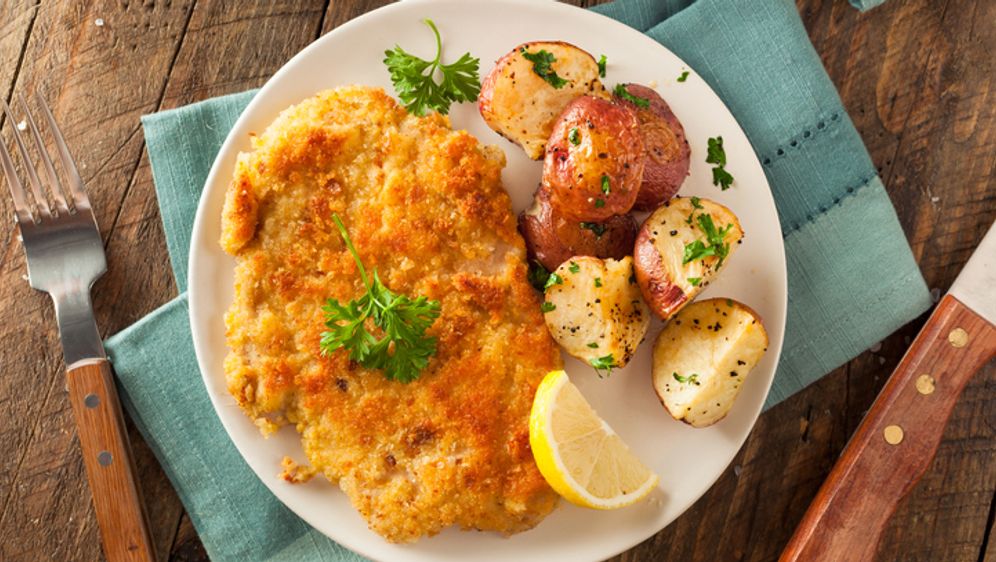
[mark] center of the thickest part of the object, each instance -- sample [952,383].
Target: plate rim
[230,144]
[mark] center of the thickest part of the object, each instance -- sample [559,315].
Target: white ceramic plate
[688,460]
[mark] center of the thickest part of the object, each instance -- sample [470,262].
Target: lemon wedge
[578,453]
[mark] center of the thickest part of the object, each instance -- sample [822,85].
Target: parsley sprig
[404,349]
[716,155]
[415,83]
[714,244]
[542,60]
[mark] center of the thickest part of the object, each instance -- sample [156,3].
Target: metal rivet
[104,458]
[91,401]
[893,435]
[925,384]
[958,337]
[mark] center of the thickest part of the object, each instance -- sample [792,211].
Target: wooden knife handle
[896,441]
[110,469]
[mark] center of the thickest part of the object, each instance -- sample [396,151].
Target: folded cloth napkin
[852,277]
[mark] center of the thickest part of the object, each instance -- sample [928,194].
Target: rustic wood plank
[213,59]
[99,79]
[915,82]
[921,107]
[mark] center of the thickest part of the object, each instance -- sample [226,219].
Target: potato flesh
[610,313]
[522,106]
[717,340]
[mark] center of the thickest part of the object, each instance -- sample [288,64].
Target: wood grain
[915,75]
[110,468]
[896,440]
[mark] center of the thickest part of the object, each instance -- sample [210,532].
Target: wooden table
[916,76]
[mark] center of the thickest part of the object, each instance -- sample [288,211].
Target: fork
[65,255]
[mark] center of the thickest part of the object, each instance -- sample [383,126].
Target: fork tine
[36,188]
[21,207]
[55,186]
[75,181]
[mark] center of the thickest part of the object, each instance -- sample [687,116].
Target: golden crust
[424,205]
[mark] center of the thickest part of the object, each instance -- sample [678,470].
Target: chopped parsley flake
[598,228]
[716,155]
[620,91]
[601,66]
[692,379]
[552,280]
[541,66]
[547,307]
[574,136]
[605,363]
[715,245]
[605,184]
[574,267]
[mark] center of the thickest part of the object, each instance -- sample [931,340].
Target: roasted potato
[521,105]
[594,311]
[680,248]
[666,153]
[702,357]
[594,160]
[552,238]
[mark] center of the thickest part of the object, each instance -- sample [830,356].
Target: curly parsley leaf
[404,349]
[621,92]
[415,83]
[542,60]
[716,154]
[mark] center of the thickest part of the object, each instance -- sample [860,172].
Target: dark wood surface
[916,76]
[896,441]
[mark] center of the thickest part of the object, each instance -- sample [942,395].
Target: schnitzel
[425,206]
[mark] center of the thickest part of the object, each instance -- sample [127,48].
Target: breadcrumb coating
[425,206]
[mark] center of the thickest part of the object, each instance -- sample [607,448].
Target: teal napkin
[852,277]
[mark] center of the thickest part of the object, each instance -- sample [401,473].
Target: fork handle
[110,468]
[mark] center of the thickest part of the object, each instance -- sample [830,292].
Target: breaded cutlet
[425,206]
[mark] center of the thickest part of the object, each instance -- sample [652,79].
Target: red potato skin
[663,298]
[610,145]
[552,238]
[667,154]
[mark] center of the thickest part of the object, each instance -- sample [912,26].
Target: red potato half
[702,357]
[666,281]
[594,160]
[522,106]
[552,238]
[666,152]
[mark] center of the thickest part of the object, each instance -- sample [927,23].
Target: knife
[898,438]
